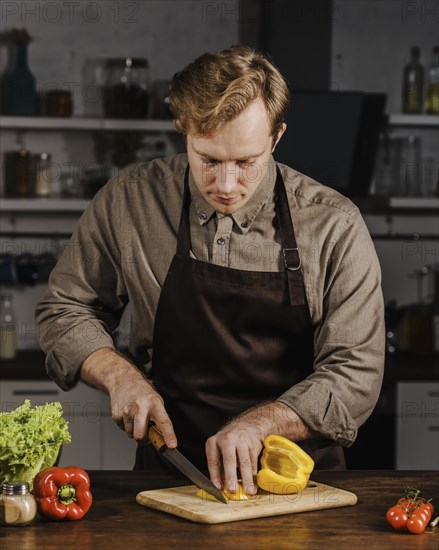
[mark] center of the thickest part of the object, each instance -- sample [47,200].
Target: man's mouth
[225,200]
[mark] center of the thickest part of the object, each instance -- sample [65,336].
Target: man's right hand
[134,402]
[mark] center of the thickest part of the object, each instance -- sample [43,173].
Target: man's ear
[279,135]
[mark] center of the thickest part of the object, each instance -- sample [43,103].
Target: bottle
[18,174]
[432,98]
[8,336]
[413,84]
[436,311]
[22,83]
[17,506]
[42,181]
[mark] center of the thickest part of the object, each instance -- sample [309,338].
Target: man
[254,290]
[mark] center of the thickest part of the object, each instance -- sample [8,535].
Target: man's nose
[227,177]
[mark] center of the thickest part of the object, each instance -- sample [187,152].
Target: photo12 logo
[426,11]
[69,12]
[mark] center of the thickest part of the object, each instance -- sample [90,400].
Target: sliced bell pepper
[285,466]
[239,495]
[62,493]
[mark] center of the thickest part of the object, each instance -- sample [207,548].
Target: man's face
[229,164]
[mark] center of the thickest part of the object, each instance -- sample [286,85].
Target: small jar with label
[17,506]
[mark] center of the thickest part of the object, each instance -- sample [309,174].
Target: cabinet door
[417,443]
[84,450]
[82,409]
[81,400]
[417,432]
[118,450]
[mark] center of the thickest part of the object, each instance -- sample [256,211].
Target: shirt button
[202,216]
[244,225]
[221,241]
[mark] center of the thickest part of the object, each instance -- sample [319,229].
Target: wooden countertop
[116,521]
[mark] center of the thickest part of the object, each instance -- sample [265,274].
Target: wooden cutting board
[183,502]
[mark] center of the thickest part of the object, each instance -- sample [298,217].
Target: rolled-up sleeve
[86,293]
[349,342]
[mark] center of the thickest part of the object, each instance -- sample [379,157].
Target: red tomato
[418,521]
[397,517]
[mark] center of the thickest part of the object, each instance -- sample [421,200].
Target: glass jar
[59,103]
[126,88]
[18,174]
[17,506]
[8,335]
[42,180]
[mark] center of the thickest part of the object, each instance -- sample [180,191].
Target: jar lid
[15,488]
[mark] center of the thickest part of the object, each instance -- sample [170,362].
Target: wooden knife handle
[156,438]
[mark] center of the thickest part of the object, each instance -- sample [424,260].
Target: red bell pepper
[62,493]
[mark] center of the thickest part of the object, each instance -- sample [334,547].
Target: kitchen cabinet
[97,443]
[417,426]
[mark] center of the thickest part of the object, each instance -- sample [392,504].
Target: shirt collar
[244,216]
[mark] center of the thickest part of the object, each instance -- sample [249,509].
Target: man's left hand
[240,442]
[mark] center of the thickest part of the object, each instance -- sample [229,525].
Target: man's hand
[134,402]
[239,443]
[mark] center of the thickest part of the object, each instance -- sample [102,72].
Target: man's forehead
[209,150]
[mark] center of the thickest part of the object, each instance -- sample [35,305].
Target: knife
[183,464]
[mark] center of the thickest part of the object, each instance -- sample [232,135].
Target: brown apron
[227,339]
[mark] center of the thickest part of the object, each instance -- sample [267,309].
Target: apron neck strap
[184,232]
[290,250]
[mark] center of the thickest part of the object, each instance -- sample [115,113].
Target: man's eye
[210,161]
[245,163]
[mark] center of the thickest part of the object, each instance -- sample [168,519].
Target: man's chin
[227,208]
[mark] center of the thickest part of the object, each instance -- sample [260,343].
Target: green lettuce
[30,440]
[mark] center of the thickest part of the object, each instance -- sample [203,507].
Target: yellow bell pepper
[285,466]
[239,495]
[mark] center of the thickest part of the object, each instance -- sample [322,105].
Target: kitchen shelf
[84,123]
[400,205]
[397,119]
[43,205]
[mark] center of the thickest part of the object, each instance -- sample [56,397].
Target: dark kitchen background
[83,94]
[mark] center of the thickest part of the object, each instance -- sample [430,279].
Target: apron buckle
[291,264]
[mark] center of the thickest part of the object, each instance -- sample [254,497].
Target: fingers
[246,470]
[164,425]
[135,416]
[229,451]
[214,462]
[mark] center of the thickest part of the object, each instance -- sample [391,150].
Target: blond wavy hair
[217,87]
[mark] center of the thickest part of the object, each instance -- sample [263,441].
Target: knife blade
[186,467]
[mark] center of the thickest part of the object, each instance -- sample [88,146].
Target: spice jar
[17,506]
[59,103]
[126,88]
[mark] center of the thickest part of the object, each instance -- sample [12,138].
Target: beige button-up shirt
[124,242]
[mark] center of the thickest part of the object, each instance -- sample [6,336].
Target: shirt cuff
[65,359]
[322,411]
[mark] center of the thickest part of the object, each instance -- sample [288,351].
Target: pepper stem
[66,494]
